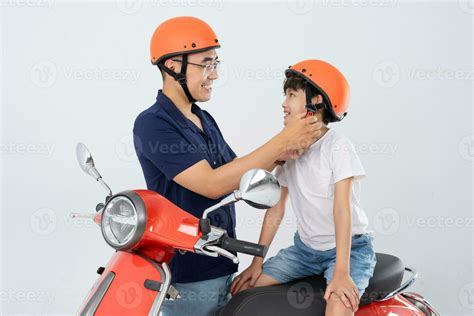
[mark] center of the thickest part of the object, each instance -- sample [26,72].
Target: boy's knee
[335,306]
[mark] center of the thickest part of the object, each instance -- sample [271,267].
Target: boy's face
[295,102]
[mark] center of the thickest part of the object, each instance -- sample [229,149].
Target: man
[185,158]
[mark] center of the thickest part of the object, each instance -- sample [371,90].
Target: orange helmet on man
[182,35]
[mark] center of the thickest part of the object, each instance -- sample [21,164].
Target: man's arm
[214,183]
[341,283]
[272,221]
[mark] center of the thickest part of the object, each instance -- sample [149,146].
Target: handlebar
[241,246]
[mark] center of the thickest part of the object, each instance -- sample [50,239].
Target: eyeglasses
[208,68]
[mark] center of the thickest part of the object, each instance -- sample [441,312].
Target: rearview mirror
[259,188]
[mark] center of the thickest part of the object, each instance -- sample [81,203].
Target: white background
[74,71]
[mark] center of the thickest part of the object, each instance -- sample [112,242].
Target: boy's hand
[343,286]
[247,278]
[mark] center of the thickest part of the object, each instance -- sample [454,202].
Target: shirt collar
[170,108]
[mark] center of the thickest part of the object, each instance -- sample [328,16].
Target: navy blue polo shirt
[168,143]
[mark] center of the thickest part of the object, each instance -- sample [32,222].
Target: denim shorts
[299,261]
[203,298]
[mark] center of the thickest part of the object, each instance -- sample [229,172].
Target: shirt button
[214,162]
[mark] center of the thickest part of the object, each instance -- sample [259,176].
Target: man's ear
[317,99]
[174,65]
[170,64]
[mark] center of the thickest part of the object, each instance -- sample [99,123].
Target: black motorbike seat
[277,299]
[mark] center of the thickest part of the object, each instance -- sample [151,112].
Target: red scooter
[146,229]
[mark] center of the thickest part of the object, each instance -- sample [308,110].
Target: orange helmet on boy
[329,82]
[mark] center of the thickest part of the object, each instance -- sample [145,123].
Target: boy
[324,189]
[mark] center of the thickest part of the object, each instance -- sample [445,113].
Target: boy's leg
[265,280]
[262,280]
[294,262]
[202,298]
[335,307]
[362,264]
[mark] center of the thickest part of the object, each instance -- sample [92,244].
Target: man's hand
[300,132]
[291,154]
[343,286]
[247,278]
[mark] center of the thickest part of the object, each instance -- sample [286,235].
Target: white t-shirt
[311,180]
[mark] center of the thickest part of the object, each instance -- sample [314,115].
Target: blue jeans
[199,298]
[299,261]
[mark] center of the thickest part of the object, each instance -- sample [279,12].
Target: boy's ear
[317,99]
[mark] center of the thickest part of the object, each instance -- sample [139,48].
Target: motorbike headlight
[119,222]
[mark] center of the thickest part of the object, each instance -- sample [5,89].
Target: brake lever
[82,215]
[224,253]
[95,217]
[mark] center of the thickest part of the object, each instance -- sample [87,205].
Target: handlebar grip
[241,246]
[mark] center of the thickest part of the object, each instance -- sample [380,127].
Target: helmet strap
[310,106]
[180,77]
[323,105]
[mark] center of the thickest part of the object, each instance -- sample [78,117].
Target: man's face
[199,78]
